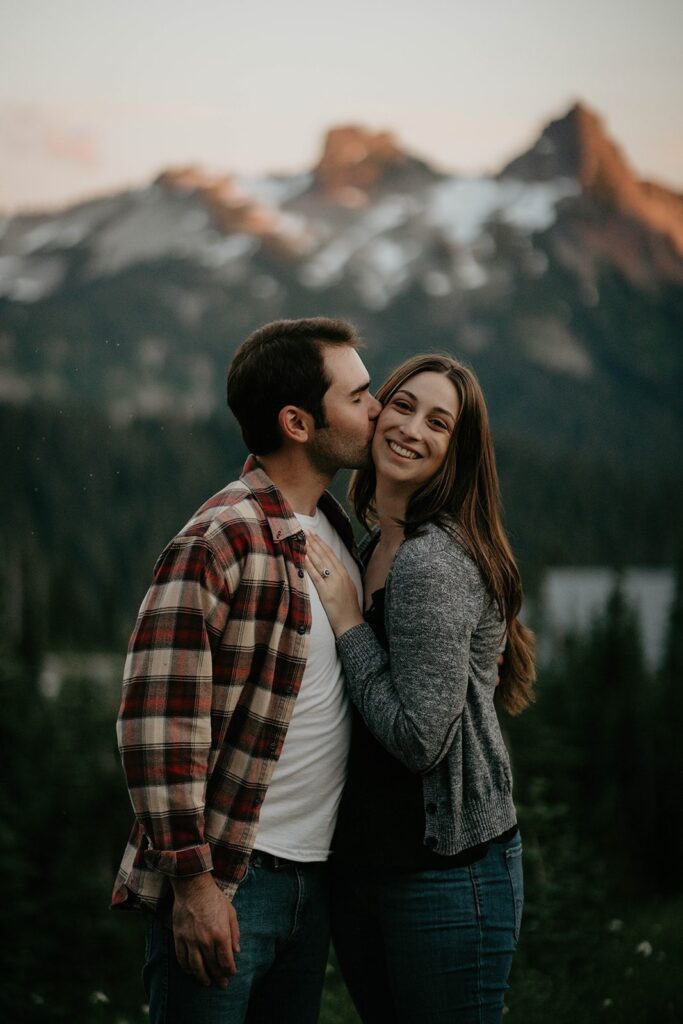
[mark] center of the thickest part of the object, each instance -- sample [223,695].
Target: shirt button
[301,574]
[301,536]
[258,801]
[431,808]
[289,690]
[301,630]
[430,841]
[272,747]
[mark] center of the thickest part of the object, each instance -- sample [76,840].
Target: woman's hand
[337,590]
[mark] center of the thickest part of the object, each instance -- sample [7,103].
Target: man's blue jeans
[430,946]
[283,915]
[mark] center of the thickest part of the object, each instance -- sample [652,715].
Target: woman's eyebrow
[436,408]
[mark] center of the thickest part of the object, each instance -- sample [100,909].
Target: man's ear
[296,424]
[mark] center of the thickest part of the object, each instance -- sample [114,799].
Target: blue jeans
[430,946]
[283,915]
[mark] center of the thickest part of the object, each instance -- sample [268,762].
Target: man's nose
[375,408]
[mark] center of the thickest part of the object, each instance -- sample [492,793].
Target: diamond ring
[326,572]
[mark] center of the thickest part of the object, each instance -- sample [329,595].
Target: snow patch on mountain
[461,207]
[217,251]
[24,280]
[550,343]
[276,190]
[330,260]
[152,226]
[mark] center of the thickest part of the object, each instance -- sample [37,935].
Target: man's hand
[205,930]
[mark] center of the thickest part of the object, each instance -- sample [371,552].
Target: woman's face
[414,429]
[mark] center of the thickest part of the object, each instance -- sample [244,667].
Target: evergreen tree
[616,784]
[668,827]
[595,716]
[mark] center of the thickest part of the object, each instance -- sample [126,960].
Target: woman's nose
[410,426]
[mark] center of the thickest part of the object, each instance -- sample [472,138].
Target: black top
[381,820]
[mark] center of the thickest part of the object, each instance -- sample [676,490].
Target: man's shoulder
[230,514]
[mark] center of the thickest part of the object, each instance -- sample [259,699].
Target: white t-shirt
[299,811]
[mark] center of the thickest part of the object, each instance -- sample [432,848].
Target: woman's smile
[402,451]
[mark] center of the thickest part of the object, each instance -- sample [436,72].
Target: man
[232,655]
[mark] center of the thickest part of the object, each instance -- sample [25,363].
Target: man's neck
[299,483]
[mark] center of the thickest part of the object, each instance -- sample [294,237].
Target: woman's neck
[391,504]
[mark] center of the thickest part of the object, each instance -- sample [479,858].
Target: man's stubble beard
[329,453]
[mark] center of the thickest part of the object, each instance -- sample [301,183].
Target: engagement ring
[326,572]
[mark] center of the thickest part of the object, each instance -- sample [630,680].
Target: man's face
[350,412]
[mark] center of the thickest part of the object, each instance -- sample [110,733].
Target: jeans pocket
[513,859]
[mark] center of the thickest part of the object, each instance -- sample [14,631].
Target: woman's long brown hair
[463,497]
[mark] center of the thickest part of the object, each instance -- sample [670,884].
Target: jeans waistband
[276,863]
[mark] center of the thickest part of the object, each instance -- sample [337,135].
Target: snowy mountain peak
[231,208]
[356,162]
[575,146]
[578,146]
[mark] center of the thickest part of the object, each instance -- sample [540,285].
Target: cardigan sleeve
[412,697]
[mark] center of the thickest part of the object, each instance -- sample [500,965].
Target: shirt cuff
[195,860]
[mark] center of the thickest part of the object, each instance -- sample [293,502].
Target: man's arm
[164,732]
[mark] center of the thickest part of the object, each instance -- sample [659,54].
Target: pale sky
[96,95]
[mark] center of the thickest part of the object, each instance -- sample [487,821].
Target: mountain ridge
[567,300]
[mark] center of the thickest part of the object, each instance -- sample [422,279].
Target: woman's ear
[295,424]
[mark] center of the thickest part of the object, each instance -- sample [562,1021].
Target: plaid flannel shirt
[213,669]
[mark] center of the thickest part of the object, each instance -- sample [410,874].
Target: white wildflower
[615,925]
[607,1002]
[644,948]
[97,998]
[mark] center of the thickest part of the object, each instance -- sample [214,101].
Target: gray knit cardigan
[429,701]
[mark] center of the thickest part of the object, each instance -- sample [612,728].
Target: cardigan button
[431,841]
[301,630]
[272,747]
[431,808]
[301,574]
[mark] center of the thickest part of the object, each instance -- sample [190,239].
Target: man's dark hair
[282,364]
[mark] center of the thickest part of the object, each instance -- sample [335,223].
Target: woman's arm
[413,698]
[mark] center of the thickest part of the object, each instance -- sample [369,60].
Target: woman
[428,885]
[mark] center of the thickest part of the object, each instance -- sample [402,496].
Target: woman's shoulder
[439,549]
[433,570]
[442,538]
